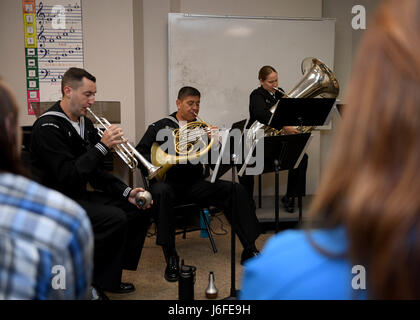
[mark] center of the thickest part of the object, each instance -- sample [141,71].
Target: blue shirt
[290,268]
[46,243]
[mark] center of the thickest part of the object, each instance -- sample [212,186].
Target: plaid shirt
[46,243]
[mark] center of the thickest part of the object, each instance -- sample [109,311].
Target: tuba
[126,151]
[190,143]
[318,80]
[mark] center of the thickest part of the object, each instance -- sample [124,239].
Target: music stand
[285,152]
[301,112]
[220,169]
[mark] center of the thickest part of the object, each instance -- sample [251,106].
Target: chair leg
[213,245]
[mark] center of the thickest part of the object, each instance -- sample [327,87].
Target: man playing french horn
[67,153]
[185,181]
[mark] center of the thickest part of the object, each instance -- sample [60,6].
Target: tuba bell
[318,80]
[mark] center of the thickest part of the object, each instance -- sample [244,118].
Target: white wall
[12,52]
[109,54]
[346,38]
[346,44]
[155,22]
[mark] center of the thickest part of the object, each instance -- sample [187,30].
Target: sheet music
[54,29]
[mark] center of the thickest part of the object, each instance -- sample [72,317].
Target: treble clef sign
[40,13]
[41,37]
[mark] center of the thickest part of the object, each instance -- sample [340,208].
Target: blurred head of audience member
[10,133]
[40,229]
[372,183]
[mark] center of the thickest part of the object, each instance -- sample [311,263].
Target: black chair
[187,210]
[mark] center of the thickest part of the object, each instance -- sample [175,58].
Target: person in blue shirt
[46,239]
[368,204]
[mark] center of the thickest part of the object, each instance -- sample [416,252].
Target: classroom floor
[195,250]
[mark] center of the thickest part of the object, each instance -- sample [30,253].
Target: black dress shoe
[124,287]
[172,269]
[288,203]
[248,254]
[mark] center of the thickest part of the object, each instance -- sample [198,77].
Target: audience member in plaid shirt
[46,240]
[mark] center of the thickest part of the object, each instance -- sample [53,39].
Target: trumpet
[126,151]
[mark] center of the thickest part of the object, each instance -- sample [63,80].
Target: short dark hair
[265,71]
[9,156]
[73,76]
[188,91]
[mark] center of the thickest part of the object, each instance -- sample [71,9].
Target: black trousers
[119,230]
[296,180]
[166,195]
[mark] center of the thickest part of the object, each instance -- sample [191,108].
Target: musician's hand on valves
[213,133]
[141,198]
[290,129]
[113,136]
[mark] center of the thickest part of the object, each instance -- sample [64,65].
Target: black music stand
[222,166]
[285,152]
[301,112]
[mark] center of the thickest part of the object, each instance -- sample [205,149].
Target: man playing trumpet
[66,154]
[185,182]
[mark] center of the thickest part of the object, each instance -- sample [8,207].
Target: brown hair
[372,184]
[9,155]
[265,72]
[73,77]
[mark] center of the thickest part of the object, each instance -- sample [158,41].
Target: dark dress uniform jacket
[185,173]
[260,102]
[65,161]
[187,182]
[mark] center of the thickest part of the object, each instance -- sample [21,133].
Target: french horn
[190,141]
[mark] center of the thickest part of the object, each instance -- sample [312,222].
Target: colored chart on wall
[53,43]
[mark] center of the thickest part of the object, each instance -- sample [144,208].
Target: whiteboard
[221,57]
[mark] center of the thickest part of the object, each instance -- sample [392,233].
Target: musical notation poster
[53,43]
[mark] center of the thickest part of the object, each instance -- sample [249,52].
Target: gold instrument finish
[190,141]
[318,81]
[126,151]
